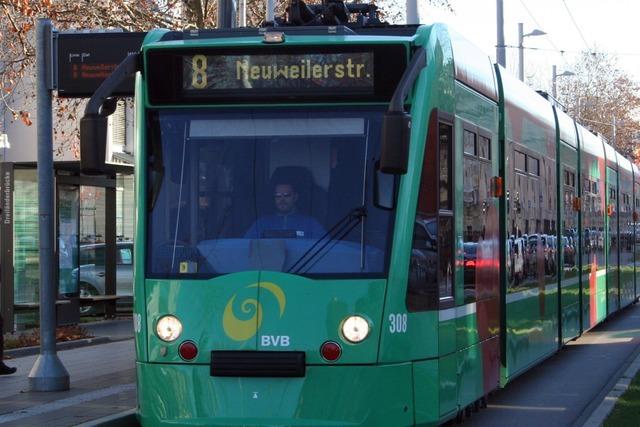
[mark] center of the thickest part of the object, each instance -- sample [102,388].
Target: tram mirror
[109,106]
[93,144]
[384,189]
[396,130]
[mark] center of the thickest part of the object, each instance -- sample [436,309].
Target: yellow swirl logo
[242,330]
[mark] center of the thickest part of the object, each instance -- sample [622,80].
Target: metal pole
[613,139]
[554,77]
[520,52]
[500,53]
[226,13]
[48,373]
[270,11]
[243,13]
[413,17]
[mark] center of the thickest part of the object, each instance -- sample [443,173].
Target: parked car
[519,250]
[569,251]
[92,271]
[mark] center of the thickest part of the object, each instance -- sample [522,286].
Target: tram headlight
[168,328]
[355,329]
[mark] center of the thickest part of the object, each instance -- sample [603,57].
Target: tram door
[569,244]
[612,243]
[431,296]
[480,262]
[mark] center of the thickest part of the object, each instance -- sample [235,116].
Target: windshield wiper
[337,232]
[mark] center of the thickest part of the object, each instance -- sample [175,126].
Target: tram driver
[286,221]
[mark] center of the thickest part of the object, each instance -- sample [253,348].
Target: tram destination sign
[301,74]
[85,60]
[205,73]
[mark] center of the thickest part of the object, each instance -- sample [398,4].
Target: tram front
[264,236]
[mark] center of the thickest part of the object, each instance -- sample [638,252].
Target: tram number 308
[398,323]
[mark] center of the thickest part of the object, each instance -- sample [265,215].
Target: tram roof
[590,143]
[567,126]
[339,30]
[473,67]
[610,155]
[624,164]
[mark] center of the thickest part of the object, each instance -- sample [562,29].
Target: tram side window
[445,220]
[430,280]
[446,141]
[533,165]
[520,161]
[485,148]
[476,183]
[469,143]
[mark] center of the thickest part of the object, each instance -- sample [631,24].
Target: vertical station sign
[6,245]
[85,60]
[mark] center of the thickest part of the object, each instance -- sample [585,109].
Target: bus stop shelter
[93,230]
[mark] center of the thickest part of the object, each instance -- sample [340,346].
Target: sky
[572,26]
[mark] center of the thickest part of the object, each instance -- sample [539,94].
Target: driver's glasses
[282,195]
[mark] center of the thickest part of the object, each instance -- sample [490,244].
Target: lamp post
[413,17]
[521,37]
[500,47]
[554,77]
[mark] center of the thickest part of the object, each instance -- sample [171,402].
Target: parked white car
[92,271]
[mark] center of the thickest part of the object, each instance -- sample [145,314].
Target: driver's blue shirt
[302,226]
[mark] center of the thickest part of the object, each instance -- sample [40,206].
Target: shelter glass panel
[125,208]
[68,223]
[26,259]
[92,241]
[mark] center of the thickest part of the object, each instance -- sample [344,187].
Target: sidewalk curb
[602,411]
[61,346]
[121,419]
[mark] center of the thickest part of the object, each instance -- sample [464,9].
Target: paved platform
[102,383]
[568,389]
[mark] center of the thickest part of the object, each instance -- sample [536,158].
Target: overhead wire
[573,51]
[548,37]
[575,24]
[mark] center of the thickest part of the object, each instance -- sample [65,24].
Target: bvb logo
[242,330]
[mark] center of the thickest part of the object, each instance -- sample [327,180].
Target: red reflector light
[188,350]
[331,351]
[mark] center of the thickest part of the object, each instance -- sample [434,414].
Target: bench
[26,306]
[108,301]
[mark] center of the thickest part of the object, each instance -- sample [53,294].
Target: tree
[600,93]
[17,52]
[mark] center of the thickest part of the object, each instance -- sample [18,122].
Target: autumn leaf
[24,116]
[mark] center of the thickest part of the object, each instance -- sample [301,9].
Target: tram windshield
[253,189]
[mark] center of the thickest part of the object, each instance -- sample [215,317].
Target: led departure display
[298,74]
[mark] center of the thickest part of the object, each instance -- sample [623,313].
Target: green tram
[356,225]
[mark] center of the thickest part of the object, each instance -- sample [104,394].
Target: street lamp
[521,37]
[554,77]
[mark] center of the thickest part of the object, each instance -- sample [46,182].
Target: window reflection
[431,266]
